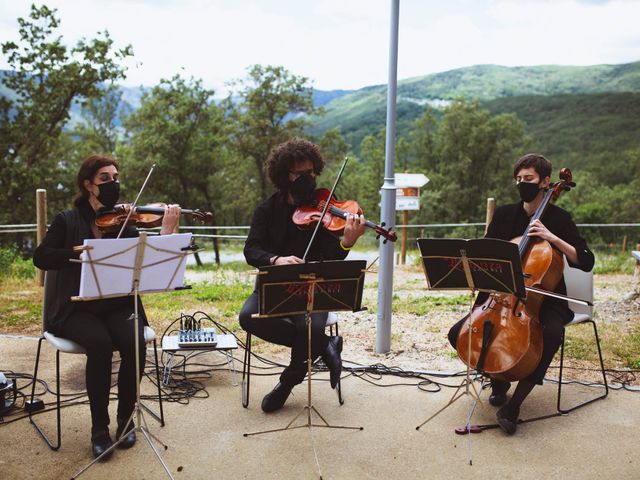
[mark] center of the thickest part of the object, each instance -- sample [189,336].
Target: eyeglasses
[297,173]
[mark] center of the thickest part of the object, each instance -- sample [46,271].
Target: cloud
[345,44]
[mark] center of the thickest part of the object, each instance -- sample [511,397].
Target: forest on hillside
[209,154]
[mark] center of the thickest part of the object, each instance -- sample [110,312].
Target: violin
[307,216]
[145,216]
[506,334]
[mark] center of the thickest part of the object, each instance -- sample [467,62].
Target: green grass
[236,266]
[424,304]
[13,266]
[620,348]
[221,301]
[20,305]
[614,263]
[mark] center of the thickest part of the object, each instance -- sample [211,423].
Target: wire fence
[613,237]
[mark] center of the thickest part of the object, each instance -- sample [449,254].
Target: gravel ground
[419,342]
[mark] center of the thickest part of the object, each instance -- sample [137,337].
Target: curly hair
[540,164]
[283,158]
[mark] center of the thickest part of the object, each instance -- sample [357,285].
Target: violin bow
[135,202]
[326,206]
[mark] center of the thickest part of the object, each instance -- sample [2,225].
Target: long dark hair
[87,171]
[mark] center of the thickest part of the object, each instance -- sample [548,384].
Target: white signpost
[408,198]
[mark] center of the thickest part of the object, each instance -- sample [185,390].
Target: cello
[504,333]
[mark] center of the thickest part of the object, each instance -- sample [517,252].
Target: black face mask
[302,189]
[109,193]
[528,191]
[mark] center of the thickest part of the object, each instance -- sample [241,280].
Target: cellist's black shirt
[510,221]
[273,233]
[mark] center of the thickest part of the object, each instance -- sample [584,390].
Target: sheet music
[112,261]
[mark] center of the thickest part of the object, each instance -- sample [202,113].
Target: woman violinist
[532,174]
[100,325]
[274,239]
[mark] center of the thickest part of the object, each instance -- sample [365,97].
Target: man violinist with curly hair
[274,239]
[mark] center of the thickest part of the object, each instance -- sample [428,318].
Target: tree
[180,128]
[45,79]
[100,129]
[265,109]
[470,157]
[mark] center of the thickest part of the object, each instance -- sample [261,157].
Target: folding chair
[67,346]
[332,321]
[580,285]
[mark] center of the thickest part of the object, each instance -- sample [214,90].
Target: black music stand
[308,288]
[486,265]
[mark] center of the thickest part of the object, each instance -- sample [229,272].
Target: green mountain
[580,131]
[363,111]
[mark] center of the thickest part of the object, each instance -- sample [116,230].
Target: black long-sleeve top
[510,221]
[273,233]
[68,229]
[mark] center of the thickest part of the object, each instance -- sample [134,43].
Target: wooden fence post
[491,205]
[403,248]
[635,284]
[41,221]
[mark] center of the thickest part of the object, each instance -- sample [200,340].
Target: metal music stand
[307,288]
[128,267]
[486,265]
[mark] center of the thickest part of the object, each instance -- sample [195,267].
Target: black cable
[188,376]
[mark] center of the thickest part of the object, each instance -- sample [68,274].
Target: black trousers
[290,332]
[553,319]
[100,327]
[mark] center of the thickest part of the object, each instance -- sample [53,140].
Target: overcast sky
[344,43]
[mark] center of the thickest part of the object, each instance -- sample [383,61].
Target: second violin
[307,216]
[144,216]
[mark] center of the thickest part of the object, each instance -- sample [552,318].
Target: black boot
[508,418]
[274,400]
[100,442]
[499,391]
[331,358]
[130,436]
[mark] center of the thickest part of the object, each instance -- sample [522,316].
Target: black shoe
[499,391]
[274,400]
[508,418]
[100,443]
[130,436]
[331,358]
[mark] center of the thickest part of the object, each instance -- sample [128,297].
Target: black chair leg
[155,353]
[339,386]
[604,376]
[51,445]
[159,418]
[246,372]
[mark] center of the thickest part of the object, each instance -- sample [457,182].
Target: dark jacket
[510,221]
[68,229]
[273,233]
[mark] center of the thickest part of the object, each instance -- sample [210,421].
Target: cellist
[532,174]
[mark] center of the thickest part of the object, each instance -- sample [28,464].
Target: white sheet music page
[108,268]
[159,266]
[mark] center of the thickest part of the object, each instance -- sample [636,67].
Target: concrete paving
[205,437]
